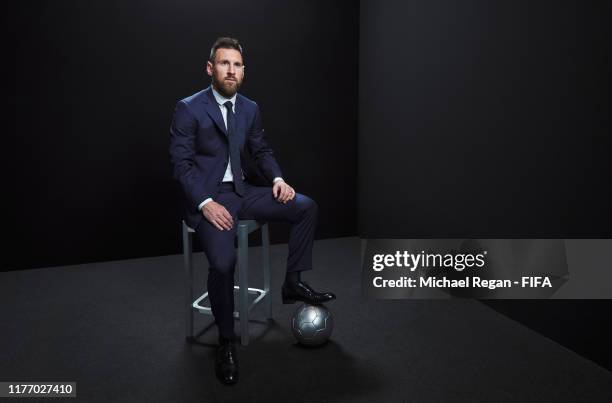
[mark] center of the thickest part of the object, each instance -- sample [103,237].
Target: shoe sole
[287,301]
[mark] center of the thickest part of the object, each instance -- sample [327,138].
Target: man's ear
[209,68]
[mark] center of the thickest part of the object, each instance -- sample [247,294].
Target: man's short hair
[224,43]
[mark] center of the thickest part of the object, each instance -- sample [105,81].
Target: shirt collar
[221,99]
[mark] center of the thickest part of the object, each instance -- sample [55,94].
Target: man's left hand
[283,192]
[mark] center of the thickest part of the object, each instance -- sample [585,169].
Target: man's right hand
[218,215]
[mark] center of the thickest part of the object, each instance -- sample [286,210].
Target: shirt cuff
[204,202]
[278,178]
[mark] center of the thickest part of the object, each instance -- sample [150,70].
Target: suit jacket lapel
[212,108]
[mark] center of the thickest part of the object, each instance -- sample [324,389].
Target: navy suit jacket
[199,147]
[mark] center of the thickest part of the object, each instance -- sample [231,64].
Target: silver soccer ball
[312,324]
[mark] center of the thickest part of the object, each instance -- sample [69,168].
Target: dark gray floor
[117,329]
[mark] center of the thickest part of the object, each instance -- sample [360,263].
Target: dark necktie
[234,149]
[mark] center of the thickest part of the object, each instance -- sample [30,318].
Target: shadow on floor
[273,367]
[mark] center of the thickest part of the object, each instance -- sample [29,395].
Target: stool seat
[251,225]
[244,228]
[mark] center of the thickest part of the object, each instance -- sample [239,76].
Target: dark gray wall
[94,90]
[484,119]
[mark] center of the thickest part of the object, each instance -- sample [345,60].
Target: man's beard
[226,88]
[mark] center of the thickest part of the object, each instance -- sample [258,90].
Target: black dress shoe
[300,291]
[226,365]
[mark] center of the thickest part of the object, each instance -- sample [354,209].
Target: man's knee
[306,205]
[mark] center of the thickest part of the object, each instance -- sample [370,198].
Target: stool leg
[243,250]
[187,254]
[265,253]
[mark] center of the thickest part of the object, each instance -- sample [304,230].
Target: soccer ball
[312,324]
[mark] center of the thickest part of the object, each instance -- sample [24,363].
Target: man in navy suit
[209,136]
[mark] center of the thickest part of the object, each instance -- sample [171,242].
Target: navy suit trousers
[258,203]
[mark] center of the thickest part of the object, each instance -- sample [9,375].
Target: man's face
[227,71]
